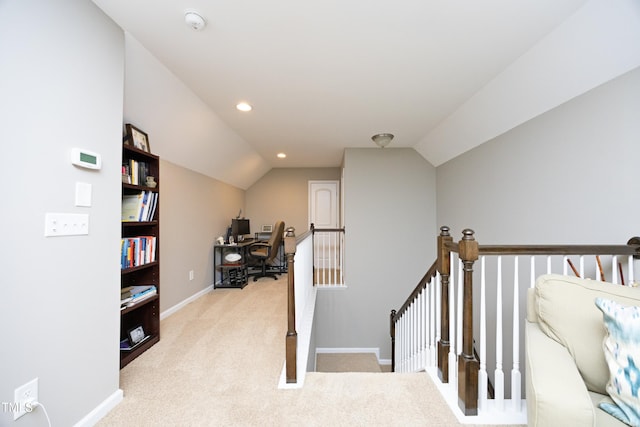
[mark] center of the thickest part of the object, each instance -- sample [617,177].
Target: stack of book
[139,207]
[132,295]
[135,171]
[137,251]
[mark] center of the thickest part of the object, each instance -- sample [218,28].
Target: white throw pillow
[622,353]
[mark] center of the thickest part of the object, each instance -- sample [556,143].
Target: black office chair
[265,252]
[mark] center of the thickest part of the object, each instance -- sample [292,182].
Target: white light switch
[61,224]
[83,194]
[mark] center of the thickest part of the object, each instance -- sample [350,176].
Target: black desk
[231,274]
[228,274]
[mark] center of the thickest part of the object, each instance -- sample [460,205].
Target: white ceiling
[329,74]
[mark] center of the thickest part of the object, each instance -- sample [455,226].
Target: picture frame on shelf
[267,228]
[137,138]
[136,335]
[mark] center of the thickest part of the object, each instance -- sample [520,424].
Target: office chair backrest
[276,239]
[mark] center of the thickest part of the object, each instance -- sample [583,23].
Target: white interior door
[323,204]
[323,213]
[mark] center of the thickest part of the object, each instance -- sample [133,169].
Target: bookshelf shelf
[126,356]
[138,268]
[139,305]
[140,257]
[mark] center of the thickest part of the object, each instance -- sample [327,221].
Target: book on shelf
[140,207]
[136,171]
[132,295]
[125,344]
[137,251]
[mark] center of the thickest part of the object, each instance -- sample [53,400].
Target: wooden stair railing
[291,341]
[328,256]
[468,251]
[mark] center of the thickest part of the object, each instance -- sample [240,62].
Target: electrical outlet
[190,274]
[23,398]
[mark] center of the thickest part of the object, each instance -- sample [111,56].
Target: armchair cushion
[567,313]
[556,394]
[622,353]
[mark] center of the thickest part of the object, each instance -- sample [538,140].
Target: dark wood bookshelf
[145,313]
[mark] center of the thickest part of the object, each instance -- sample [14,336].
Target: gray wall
[61,79]
[282,193]
[390,242]
[194,210]
[567,176]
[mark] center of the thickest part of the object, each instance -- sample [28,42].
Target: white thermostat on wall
[85,158]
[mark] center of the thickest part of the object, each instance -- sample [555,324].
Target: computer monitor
[240,227]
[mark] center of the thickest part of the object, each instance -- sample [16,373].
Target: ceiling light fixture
[382,139]
[194,20]
[243,106]
[281,155]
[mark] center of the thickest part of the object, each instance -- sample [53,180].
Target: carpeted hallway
[218,363]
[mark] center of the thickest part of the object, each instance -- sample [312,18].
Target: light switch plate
[65,224]
[83,194]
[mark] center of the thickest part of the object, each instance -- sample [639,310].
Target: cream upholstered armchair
[265,252]
[572,380]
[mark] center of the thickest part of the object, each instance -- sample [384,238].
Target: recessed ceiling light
[281,155]
[243,106]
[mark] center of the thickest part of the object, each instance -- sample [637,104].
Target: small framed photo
[136,335]
[137,138]
[267,228]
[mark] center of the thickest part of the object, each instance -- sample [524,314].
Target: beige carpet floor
[218,363]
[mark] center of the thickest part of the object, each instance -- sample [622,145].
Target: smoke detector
[194,20]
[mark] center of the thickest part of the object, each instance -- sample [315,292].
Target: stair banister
[291,341]
[462,370]
[443,265]
[468,365]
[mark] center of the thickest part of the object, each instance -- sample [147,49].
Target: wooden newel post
[292,336]
[392,331]
[443,268]
[468,365]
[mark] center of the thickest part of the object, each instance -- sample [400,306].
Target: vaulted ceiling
[442,75]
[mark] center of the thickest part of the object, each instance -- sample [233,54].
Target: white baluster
[418,320]
[399,345]
[499,374]
[515,371]
[532,282]
[582,266]
[412,337]
[482,373]
[614,270]
[414,323]
[404,342]
[458,311]
[630,263]
[564,264]
[435,327]
[425,324]
[548,264]
[421,325]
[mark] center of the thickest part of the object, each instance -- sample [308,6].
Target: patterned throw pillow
[622,352]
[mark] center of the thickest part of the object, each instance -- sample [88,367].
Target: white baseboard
[101,410]
[184,302]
